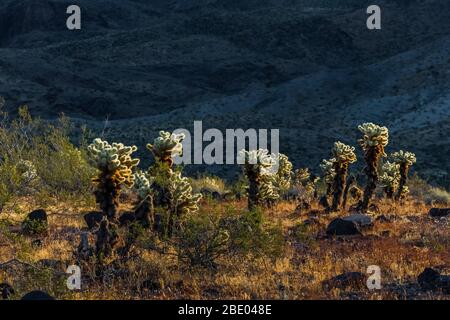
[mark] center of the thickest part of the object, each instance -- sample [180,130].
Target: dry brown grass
[402,248]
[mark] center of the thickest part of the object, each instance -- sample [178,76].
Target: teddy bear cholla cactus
[343,155]
[282,179]
[375,138]
[166,146]
[115,165]
[390,178]
[144,210]
[328,173]
[182,199]
[258,168]
[405,160]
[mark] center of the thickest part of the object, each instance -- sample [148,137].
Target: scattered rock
[126,218]
[35,223]
[93,219]
[354,280]
[430,280]
[84,250]
[362,220]
[6,291]
[37,295]
[341,227]
[439,213]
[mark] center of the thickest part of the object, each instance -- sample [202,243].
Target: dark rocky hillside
[310,68]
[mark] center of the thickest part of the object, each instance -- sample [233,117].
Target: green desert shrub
[431,195]
[200,241]
[251,234]
[38,156]
[209,184]
[437,196]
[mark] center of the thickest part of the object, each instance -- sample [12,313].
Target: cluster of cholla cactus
[343,155]
[390,178]
[115,165]
[305,183]
[167,146]
[375,138]
[169,188]
[405,160]
[258,168]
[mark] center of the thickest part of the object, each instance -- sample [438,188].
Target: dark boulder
[36,222]
[430,280]
[341,227]
[93,219]
[354,280]
[362,220]
[6,291]
[37,295]
[439,213]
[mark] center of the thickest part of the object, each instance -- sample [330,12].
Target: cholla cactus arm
[405,160]
[404,157]
[115,164]
[301,176]
[390,177]
[343,155]
[375,138]
[166,146]
[143,184]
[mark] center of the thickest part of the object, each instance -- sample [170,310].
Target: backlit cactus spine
[144,210]
[167,146]
[390,178]
[183,200]
[405,160]
[258,166]
[375,138]
[114,164]
[343,156]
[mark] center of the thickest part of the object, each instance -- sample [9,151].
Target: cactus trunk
[404,168]
[253,189]
[339,184]
[107,195]
[372,158]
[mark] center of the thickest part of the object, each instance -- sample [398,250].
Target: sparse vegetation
[179,245]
